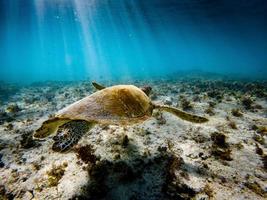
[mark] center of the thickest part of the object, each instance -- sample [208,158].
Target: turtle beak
[146,90]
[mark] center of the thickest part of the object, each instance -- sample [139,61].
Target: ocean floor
[161,158]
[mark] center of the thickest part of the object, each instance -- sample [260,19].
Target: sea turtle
[118,105]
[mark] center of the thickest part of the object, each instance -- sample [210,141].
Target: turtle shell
[120,104]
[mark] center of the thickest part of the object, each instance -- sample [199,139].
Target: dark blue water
[79,39]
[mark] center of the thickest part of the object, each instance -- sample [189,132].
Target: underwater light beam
[84,13]
[40,10]
[117,44]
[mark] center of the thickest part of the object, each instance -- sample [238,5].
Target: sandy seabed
[161,158]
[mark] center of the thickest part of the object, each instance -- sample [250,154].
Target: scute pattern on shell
[120,104]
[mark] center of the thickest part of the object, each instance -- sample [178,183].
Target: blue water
[79,39]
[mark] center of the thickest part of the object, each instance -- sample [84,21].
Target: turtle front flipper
[49,127]
[98,86]
[69,134]
[181,114]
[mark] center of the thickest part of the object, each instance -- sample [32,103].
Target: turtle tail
[69,134]
[181,114]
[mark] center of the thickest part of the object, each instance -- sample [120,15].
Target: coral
[262,130]
[239,145]
[255,187]
[27,141]
[200,138]
[9,127]
[220,148]
[30,100]
[125,141]
[182,90]
[1,162]
[146,153]
[116,156]
[86,154]
[5,117]
[196,98]
[259,138]
[162,149]
[258,106]
[212,104]
[2,190]
[232,125]
[207,189]
[259,150]
[224,154]
[214,94]
[210,111]
[14,176]
[13,108]
[159,117]
[38,187]
[236,112]
[185,104]
[170,145]
[254,127]
[3,144]
[141,131]
[174,163]
[55,174]
[4,194]
[174,187]
[246,102]
[36,166]
[219,139]
[264,160]
[49,96]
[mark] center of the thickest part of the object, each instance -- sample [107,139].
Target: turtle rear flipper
[183,115]
[69,134]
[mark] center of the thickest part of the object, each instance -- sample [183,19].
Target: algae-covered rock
[247,102]
[236,112]
[1,162]
[86,154]
[220,147]
[55,174]
[255,187]
[27,140]
[13,108]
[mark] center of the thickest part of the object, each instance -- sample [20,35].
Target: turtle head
[146,89]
